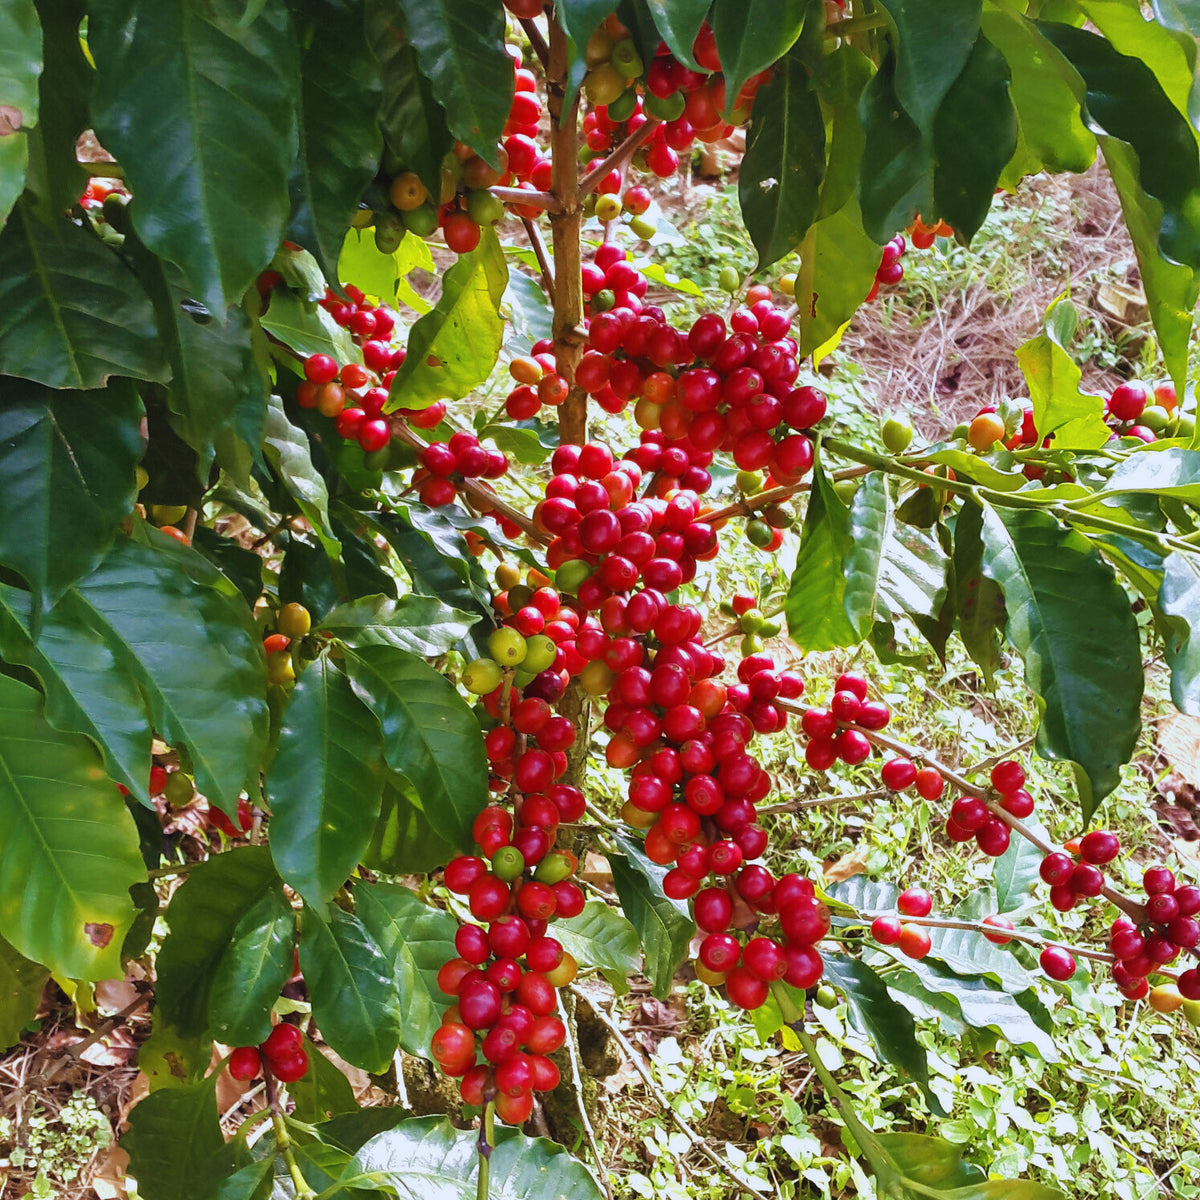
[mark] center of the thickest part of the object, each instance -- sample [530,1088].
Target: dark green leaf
[252,971]
[840,80]
[779,184]
[1070,620]
[323,1091]
[67,464]
[408,839]
[679,22]
[324,783]
[21,984]
[426,1158]
[200,110]
[1015,873]
[203,917]
[195,641]
[176,1148]
[460,46]
[68,846]
[870,523]
[306,328]
[912,574]
[453,349]
[978,600]
[664,927]
[420,624]
[72,314]
[340,142]
[242,567]
[1170,472]
[430,736]
[754,34]
[88,690]
[416,941]
[20,66]
[354,997]
[974,137]
[1179,602]
[600,937]
[287,450]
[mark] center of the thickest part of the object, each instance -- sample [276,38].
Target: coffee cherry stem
[487,1143]
[735,630]
[619,157]
[538,243]
[751,504]
[283,1139]
[820,801]
[546,201]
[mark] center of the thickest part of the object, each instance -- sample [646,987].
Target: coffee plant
[378,496]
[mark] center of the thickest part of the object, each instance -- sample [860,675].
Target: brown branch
[536,41]
[797,804]
[538,243]
[546,201]
[747,507]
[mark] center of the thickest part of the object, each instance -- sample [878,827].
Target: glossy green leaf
[217,385]
[754,34]
[340,142]
[870,523]
[1005,1189]
[68,846]
[1015,873]
[67,464]
[324,783]
[460,47]
[64,92]
[430,735]
[175,1145]
[200,111]
[21,985]
[453,349]
[840,80]
[1179,602]
[419,624]
[679,22]
[252,971]
[306,328]
[202,918]
[72,314]
[1070,620]
[1075,418]
[779,183]
[876,1015]
[912,573]
[426,1158]
[88,689]
[408,838]
[664,927]
[1052,135]
[195,641]
[416,940]
[354,996]
[967,953]
[20,67]
[974,137]
[600,937]
[932,46]
[978,600]
[413,122]
[323,1092]
[929,1161]
[287,450]
[1183,15]
[1124,100]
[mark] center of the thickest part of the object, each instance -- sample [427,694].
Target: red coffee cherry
[914,902]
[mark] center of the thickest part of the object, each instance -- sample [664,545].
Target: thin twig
[543,255]
[546,201]
[622,154]
[751,504]
[72,1053]
[795,805]
[577,1079]
[536,41]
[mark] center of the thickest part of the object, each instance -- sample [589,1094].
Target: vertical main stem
[565,227]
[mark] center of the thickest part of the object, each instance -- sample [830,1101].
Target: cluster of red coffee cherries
[461,456]
[283,1054]
[1170,926]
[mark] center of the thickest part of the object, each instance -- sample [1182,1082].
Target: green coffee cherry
[540,653]
[826,997]
[483,208]
[666,108]
[729,280]
[554,868]
[749,482]
[421,221]
[846,489]
[643,228]
[389,232]
[507,646]
[482,676]
[179,789]
[621,109]
[897,433]
[759,533]
[570,575]
[751,644]
[751,621]
[507,863]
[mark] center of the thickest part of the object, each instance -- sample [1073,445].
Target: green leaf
[203,918]
[306,328]
[88,690]
[323,1092]
[340,142]
[912,573]
[68,846]
[354,997]
[252,971]
[413,122]
[426,1158]
[877,1016]
[664,926]
[383,275]
[1183,15]
[408,839]
[1015,873]
[21,984]
[419,624]
[978,600]
[838,261]
[195,641]
[324,783]
[754,34]
[416,940]
[1179,602]
[932,46]
[453,349]
[929,1161]
[460,46]
[287,450]
[430,735]
[600,937]
[72,314]
[580,18]
[1075,418]
[974,137]
[67,464]
[1070,620]
[831,598]
[679,22]
[779,184]
[200,111]
[20,67]
[1125,101]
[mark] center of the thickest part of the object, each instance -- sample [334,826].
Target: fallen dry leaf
[852,863]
